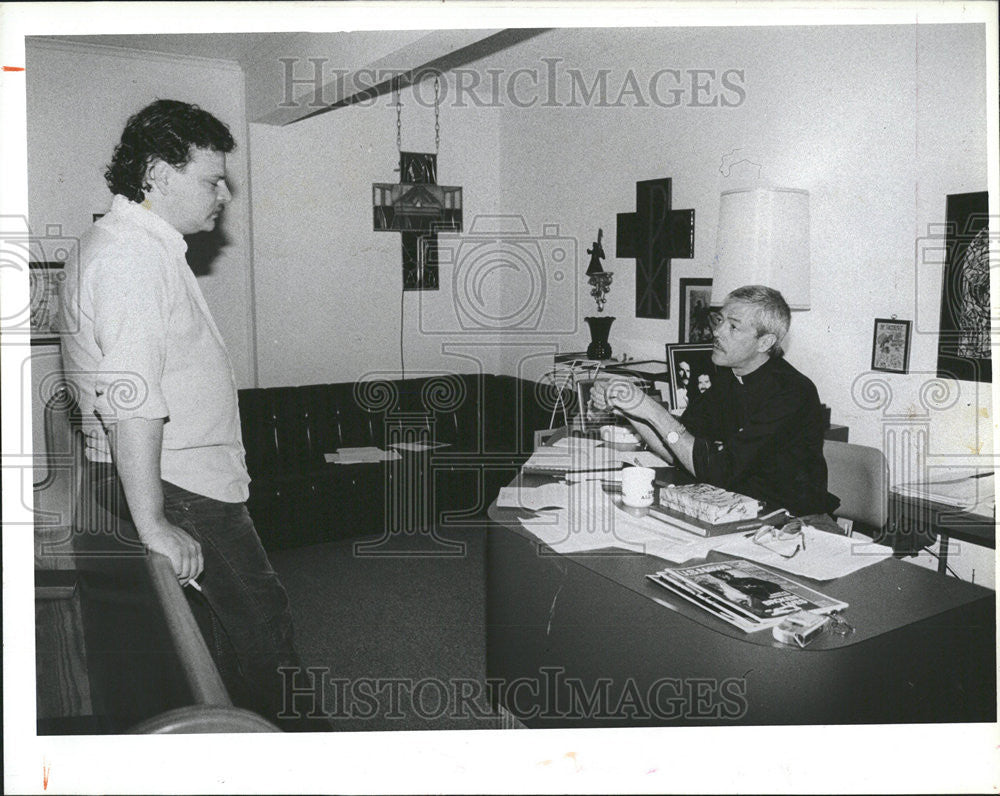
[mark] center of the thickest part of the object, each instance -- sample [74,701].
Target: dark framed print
[692,372]
[695,316]
[891,345]
[45,279]
[966,317]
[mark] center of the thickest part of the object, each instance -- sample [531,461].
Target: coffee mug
[637,486]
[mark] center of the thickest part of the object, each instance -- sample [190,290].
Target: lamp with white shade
[763,240]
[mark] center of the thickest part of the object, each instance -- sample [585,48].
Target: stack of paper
[576,453]
[360,456]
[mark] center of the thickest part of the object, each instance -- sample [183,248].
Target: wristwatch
[673,438]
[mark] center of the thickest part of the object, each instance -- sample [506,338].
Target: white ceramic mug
[637,486]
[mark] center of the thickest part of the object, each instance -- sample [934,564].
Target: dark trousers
[242,610]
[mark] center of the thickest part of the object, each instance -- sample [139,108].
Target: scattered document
[418,446]
[597,457]
[824,557]
[595,520]
[609,477]
[968,490]
[641,459]
[577,443]
[360,456]
[547,496]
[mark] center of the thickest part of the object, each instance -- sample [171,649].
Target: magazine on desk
[744,594]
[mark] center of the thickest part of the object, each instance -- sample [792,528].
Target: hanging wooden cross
[653,234]
[419,208]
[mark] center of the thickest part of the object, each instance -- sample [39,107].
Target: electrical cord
[938,558]
[402,362]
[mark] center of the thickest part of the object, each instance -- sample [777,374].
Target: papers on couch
[418,446]
[360,456]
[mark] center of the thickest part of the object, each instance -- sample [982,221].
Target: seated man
[758,430]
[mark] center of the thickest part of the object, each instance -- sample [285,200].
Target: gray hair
[771,313]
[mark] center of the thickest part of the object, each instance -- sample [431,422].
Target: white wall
[329,288]
[877,123]
[78,100]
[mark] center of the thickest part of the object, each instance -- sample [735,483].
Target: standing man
[149,363]
[758,430]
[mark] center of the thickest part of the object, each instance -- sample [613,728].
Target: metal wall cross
[419,208]
[653,234]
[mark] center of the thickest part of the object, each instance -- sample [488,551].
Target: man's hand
[620,395]
[177,545]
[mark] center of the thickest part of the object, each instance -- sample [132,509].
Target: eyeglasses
[785,541]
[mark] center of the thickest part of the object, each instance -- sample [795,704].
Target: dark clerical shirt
[761,435]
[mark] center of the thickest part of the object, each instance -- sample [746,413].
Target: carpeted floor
[398,631]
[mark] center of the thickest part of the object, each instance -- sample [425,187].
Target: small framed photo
[695,316]
[692,372]
[891,345]
[45,279]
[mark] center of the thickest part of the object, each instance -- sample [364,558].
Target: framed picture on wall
[692,372]
[44,280]
[964,337]
[695,316]
[891,345]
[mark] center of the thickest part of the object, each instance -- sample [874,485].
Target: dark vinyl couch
[486,422]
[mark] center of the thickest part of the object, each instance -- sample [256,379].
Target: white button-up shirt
[139,341]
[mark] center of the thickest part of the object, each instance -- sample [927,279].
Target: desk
[587,641]
[915,523]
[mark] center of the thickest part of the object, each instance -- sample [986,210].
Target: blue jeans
[243,610]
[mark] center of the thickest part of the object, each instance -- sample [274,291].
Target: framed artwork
[692,372]
[695,316]
[964,335]
[891,345]
[45,279]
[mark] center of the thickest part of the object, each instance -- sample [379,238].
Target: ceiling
[398,51]
[237,47]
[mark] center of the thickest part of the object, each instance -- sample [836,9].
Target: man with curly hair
[149,363]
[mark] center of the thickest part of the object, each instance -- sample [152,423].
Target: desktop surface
[573,627]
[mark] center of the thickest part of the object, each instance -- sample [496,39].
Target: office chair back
[859,476]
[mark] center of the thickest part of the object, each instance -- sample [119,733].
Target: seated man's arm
[652,439]
[651,420]
[136,445]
